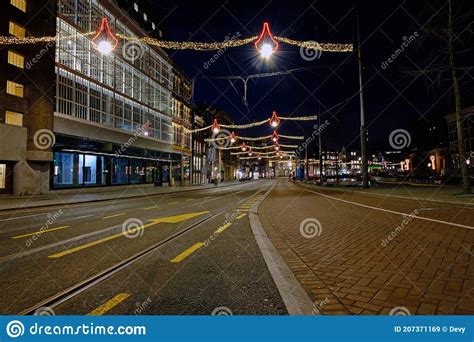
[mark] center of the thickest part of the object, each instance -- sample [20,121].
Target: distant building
[201,169]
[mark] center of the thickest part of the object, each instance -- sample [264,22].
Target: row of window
[20,4]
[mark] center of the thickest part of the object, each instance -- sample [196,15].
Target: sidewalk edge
[296,300]
[112,199]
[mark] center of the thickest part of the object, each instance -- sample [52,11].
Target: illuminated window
[3,172]
[13,118]
[16,30]
[16,59]
[15,89]
[20,4]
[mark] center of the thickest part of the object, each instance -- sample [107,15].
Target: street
[202,256]
[195,253]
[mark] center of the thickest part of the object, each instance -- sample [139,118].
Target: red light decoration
[277,147]
[275,120]
[215,127]
[250,153]
[233,138]
[275,136]
[244,147]
[266,45]
[105,40]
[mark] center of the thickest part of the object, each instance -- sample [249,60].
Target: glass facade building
[112,91]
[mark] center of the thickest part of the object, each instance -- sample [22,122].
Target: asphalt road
[206,259]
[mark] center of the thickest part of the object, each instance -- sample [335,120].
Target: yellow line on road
[173,203]
[241,216]
[224,227]
[153,222]
[188,252]
[40,232]
[149,208]
[111,216]
[109,305]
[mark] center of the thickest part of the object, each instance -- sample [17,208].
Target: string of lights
[327,47]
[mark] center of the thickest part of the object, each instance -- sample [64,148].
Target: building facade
[182,110]
[468,126]
[26,97]
[77,118]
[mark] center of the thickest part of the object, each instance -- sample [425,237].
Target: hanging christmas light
[275,120]
[259,157]
[277,147]
[250,153]
[244,147]
[215,127]
[266,45]
[233,138]
[104,40]
[275,136]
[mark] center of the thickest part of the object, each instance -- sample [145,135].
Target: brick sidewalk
[344,265]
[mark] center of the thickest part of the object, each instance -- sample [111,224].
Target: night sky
[396,97]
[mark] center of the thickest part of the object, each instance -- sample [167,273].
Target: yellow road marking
[40,232]
[243,210]
[109,305]
[111,216]
[170,219]
[245,206]
[224,227]
[241,216]
[149,208]
[188,252]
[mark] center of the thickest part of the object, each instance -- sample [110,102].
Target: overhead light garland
[268,147]
[233,138]
[274,122]
[266,44]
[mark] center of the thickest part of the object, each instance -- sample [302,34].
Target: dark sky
[394,98]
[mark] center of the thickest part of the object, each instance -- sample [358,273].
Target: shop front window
[137,171]
[119,171]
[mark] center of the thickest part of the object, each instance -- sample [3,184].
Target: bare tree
[437,49]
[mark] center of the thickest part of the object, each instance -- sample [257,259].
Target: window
[16,59]
[3,172]
[16,30]
[20,4]
[13,118]
[15,89]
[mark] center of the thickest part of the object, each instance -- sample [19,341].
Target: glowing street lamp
[215,127]
[275,136]
[233,138]
[104,40]
[275,120]
[266,45]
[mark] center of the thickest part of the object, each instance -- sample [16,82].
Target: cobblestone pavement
[372,255]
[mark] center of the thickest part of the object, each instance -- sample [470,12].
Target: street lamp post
[363,130]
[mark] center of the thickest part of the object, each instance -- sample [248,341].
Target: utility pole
[321,180]
[363,130]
